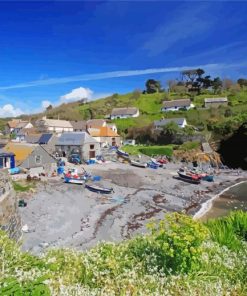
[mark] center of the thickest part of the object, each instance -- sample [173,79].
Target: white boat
[138,164]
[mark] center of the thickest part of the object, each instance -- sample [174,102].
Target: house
[53,125]
[112,126]
[124,112]
[31,156]
[15,125]
[175,105]
[215,102]
[78,142]
[105,136]
[95,123]
[159,124]
[7,160]
[79,125]
[22,125]
[49,143]
[24,132]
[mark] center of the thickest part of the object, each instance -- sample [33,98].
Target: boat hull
[99,189]
[74,181]
[139,165]
[122,154]
[188,179]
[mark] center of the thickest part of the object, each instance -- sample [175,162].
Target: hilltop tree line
[194,81]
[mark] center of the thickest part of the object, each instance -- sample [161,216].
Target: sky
[59,51]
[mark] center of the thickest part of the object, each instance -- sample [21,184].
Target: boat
[188,177]
[99,189]
[74,180]
[153,165]
[209,178]
[73,177]
[138,164]
[154,161]
[122,153]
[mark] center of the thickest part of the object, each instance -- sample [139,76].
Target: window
[38,159]
[91,146]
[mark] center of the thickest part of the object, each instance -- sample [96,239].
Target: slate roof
[215,100]
[177,103]
[162,122]
[124,111]
[75,138]
[79,125]
[32,138]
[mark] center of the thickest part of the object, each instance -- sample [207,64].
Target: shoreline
[207,205]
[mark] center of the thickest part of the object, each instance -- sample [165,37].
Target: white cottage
[53,125]
[175,105]
[124,113]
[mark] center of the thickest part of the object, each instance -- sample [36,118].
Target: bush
[186,146]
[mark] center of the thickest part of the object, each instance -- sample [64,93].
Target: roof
[5,154]
[21,151]
[32,138]
[162,122]
[13,123]
[104,131]
[57,123]
[176,103]
[22,124]
[75,138]
[95,123]
[44,139]
[215,100]
[124,111]
[27,131]
[79,125]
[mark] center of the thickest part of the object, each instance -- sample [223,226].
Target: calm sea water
[234,198]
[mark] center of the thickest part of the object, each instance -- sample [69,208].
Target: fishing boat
[74,180]
[153,165]
[209,178]
[191,178]
[138,164]
[155,162]
[122,153]
[73,177]
[99,189]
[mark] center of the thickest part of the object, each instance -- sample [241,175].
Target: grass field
[149,150]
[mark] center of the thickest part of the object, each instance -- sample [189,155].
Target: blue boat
[99,189]
[209,178]
[122,153]
[72,180]
[153,165]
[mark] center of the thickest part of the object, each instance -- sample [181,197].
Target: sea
[235,198]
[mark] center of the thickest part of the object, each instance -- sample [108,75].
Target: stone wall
[10,220]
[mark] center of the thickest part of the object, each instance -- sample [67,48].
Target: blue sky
[54,51]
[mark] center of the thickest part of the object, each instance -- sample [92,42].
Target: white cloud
[9,110]
[45,104]
[77,94]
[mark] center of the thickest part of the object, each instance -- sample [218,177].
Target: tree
[171,128]
[153,86]
[49,108]
[216,84]
[242,82]
[195,81]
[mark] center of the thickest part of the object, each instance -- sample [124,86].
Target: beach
[66,215]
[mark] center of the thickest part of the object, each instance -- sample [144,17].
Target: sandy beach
[66,215]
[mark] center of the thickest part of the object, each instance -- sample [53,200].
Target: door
[91,154]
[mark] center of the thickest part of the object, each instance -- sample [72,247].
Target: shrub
[186,146]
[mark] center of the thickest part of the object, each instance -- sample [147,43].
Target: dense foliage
[179,256]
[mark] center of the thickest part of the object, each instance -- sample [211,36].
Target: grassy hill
[150,109]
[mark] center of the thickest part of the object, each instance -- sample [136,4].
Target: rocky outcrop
[234,149]
[10,220]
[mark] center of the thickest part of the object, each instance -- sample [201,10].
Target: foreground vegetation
[179,256]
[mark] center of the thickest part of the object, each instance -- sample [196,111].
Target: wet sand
[66,215]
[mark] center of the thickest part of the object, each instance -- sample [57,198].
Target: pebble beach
[68,215]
